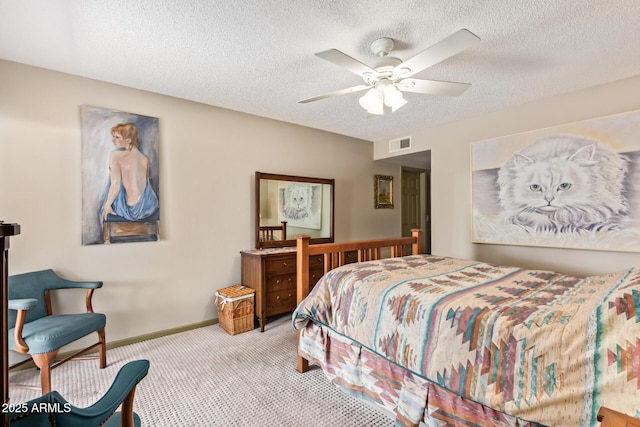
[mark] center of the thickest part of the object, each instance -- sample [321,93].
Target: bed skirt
[359,372]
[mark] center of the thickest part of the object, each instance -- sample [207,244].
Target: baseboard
[158,334]
[132,340]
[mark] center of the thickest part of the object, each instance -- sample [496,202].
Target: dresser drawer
[350,257]
[289,281]
[281,282]
[314,276]
[280,265]
[281,301]
[316,262]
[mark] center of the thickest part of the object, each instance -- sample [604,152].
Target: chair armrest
[41,282]
[88,297]
[22,304]
[69,284]
[44,280]
[121,389]
[90,286]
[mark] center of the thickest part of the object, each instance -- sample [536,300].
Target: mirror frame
[292,242]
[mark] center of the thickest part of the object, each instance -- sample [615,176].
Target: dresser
[271,273]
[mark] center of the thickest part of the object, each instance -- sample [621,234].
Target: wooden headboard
[334,254]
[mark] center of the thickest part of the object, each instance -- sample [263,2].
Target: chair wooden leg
[44,362]
[126,419]
[103,349]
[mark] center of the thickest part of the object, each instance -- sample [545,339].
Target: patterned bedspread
[540,345]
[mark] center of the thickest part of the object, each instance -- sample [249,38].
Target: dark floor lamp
[6,231]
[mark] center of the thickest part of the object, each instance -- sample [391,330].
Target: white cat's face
[549,186]
[563,183]
[298,197]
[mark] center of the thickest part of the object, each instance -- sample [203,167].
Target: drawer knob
[277,280]
[284,263]
[277,296]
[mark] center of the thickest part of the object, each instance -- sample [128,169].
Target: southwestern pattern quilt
[538,345]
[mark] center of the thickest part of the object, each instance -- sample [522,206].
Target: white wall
[450,176]
[208,157]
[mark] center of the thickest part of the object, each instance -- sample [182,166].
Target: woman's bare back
[133,167]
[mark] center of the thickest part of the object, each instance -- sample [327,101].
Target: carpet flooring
[206,377]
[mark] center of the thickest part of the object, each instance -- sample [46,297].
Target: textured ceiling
[258,56]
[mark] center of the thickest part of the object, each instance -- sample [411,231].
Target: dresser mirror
[289,205]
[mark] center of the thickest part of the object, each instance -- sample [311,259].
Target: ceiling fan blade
[345,61]
[432,87]
[455,43]
[336,93]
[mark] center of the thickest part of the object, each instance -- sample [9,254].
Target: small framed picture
[383,191]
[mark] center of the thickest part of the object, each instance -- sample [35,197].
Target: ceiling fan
[392,76]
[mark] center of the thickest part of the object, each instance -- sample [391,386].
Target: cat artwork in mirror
[288,205]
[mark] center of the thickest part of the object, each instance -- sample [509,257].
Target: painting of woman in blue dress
[120,186]
[128,194]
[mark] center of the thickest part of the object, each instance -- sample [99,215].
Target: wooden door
[414,188]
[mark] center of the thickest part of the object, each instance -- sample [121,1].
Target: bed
[444,341]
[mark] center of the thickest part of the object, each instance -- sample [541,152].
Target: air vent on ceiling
[400,144]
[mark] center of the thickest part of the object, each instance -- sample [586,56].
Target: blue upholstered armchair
[62,414]
[35,330]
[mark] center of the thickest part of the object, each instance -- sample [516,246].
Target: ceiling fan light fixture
[372,101]
[400,103]
[393,97]
[384,93]
[376,110]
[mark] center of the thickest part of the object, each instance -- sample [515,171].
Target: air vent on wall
[400,144]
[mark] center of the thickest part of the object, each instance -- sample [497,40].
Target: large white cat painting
[564,183]
[575,186]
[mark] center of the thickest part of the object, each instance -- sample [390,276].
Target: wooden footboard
[611,418]
[334,256]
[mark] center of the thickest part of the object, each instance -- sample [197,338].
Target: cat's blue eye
[564,186]
[535,187]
